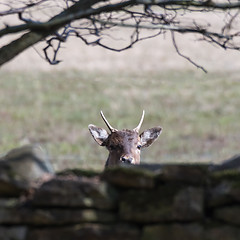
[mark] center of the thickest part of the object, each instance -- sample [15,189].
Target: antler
[140,123]
[107,123]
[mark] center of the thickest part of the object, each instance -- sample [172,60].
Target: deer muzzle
[127,159]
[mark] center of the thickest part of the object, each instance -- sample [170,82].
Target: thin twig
[184,56]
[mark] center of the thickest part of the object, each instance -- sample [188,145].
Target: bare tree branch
[199,4]
[184,56]
[92,21]
[42,30]
[19,9]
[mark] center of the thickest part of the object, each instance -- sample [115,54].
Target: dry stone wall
[147,202]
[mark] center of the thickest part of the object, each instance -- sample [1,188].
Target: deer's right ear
[99,134]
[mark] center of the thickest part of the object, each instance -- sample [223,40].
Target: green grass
[199,113]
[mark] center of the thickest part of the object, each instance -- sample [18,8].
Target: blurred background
[53,105]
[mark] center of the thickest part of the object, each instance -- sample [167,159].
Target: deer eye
[139,146]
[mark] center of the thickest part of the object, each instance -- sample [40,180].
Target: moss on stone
[129,177]
[229,174]
[131,170]
[79,172]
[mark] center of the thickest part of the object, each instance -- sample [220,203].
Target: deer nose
[127,159]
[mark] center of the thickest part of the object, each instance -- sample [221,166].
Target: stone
[86,231]
[157,204]
[79,172]
[222,232]
[225,175]
[13,233]
[129,177]
[33,157]
[9,202]
[229,214]
[225,192]
[10,189]
[21,168]
[75,192]
[168,203]
[53,216]
[195,174]
[231,163]
[191,231]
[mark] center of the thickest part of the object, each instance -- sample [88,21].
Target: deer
[125,145]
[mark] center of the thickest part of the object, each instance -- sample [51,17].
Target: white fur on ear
[149,136]
[99,134]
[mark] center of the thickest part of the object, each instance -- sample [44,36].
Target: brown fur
[123,145]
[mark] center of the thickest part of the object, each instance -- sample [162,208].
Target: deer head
[125,145]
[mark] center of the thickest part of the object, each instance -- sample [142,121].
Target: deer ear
[150,135]
[99,134]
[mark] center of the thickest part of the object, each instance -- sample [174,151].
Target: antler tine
[107,123]
[140,123]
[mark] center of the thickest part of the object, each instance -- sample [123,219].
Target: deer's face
[124,146]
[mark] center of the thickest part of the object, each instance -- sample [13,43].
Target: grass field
[199,113]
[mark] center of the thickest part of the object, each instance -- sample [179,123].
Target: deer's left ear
[149,136]
[99,134]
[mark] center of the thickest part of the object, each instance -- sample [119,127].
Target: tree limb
[199,4]
[42,30]
[96,16]
[11,50]
[20,9]
[184,56]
